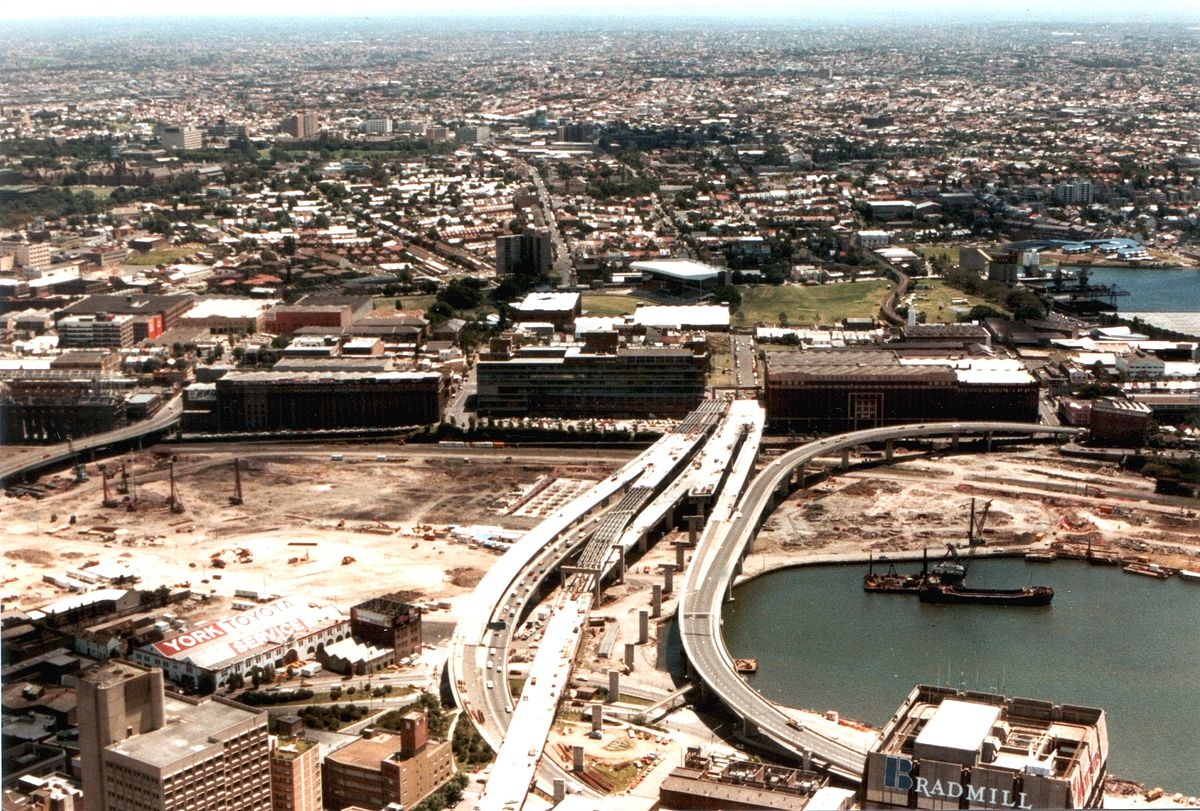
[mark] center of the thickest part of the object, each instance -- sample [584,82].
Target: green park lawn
[163,256]
[936,301]
[602,304]
[807,305]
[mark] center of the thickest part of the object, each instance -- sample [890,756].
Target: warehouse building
[597,379]
[836,390]
[276,634]
[283,400]
[949,749]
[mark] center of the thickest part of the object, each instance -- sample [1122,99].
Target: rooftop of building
[677,316]
[1015,734]
[114,672]
[232,307]
[548,302]
[367,752]
[685,270]
[242,378]
[248,632]
[190,728]
[290,748]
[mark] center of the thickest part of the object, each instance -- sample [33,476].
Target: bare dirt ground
[390,519]
[1037,497]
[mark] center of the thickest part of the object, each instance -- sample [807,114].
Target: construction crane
[953,568]
[236,498]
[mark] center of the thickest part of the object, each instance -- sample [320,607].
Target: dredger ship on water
[943,583]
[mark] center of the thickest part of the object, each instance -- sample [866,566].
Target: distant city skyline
[927,11]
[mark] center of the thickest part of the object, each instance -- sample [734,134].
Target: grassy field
[805,306]
[417,301]
[721,358]
[935,302]
[164,256]
[600,304]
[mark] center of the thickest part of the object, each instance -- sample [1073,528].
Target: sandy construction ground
[303,516]
[1037,497]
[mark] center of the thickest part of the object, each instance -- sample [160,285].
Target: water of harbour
[1153,291]
[1127,643]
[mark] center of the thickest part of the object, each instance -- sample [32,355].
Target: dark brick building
[835,391]
[388,622]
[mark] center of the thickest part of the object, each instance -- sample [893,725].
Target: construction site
[1041,501]
[424,521]
[428,522]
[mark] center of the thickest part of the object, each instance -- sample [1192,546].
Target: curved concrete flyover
[718,560]
[21,464]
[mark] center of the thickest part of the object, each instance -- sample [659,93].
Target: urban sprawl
[389,408]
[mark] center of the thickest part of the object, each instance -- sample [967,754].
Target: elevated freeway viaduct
[19,463]
[718,560]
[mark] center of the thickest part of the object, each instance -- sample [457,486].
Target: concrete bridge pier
[643,543]
[629,656]
[845,459]
[656,592]
[620,567]
[694,528]
[954,441]
[643,626]
[577,758]
[560,790]
[987,438]
[614,685]
[680,556]
[749,729]
[668,579]
[597,717]
[888,450]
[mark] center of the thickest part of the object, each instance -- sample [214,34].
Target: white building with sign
[277,633]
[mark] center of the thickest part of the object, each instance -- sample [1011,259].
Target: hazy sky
[815,10]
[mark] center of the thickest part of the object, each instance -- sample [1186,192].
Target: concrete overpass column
[680,556]
[597,717]
[629,654]
[737,567]
[614,685]
[845,458]
[656,601]
[987,438]
[642,543]
[806,759]
[620,566]
[669,518]
[668,579]
[643,626]
[888,450]
[729,591]
[749,729]
[577,758]
[693,528]
[560,790]
[954,442]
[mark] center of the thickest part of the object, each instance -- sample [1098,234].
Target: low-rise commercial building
[95,330]
[273,634]
[946,749]
[225,315]
[559,309]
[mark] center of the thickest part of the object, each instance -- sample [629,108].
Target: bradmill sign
[896,776]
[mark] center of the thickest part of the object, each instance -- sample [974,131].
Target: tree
[728,294]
